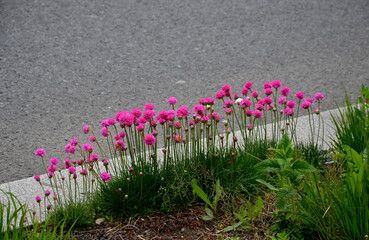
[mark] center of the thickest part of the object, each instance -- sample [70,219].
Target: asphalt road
[64,64]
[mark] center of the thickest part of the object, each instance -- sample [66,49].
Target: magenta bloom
[245,103]
[40,152]
[140,127]
[285,91]
[86,129]
[248,85]
[282,100]
[72,170]
[228,111]
[250,127]
[122,135]
[162,115]
[260,107]
[288,111]
[317,111]
[79,162]
[305,105]
[38,199]
[183,111]
[177,125]
[244,91]
[37,178]
[92,139]
[87,147]
[74,141]
[319,96]
[267,85]
[228,103]
[67,147]
[190,123]
[268,100]
[125,118]
[226,88]
[92,158]
[268,91]
[83,172]
[47,193]
[149,114]
[199,109]
[50,174]
[249,112]
[171,115]
[153,123]
[300,95]
[219,95]
[255,94]
[111,121]
[136,113]
[172,100]
[54,161]
[105,177]
[276,84]
[105,132]
[257,114]
[150,140]
[67,163]
[119,145]
[310,100]
[104,123]
[215,115]
[291,104]
[149,106]
[177,138]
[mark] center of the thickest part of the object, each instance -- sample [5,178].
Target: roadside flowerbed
[245,165]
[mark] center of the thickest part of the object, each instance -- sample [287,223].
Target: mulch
[184,224]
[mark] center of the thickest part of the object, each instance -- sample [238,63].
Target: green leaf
[268,185]
[233,227]
[284,142]
[209,212]
[218,192]
[200,193]
[269,165]
[283,195]
[207,218]
[302,167]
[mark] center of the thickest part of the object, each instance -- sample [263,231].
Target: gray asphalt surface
[64,64]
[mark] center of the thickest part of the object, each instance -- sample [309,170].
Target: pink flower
[119,145]
[54,161]
[183,111]
[67,147]
[150,140]
[319,96]
[105,177]
[40,152]
[38,199]
[104,123]
[177,138]
[105,132]
[111,121]
[228,111]
[249,112]
[219,95]
[199,109]
[162,121]
[255,94]
[50,174]
[142,120]
[83,172]
[235,95]
[300,95]
[37,178]
[74,142]
[257,114]
[162,115]
[140,127]
[291,104]
[244,91]
[250,127]
[288,111]
[276,84]
[267,85]
[67,163]
[259,107]
[125,118]
[87,147]
[92,158]
[136,113]
[268,100]
[72,170]
[248,85]
[79,162]
[282,100]
[305,105]
[285,91]
[245,103]
[228,103]
[92,139]
[47,193]
[153,123]
[172,100]
[190,123]
[310,100]
[268,91]
[317,111]
[226,88]
[177,125]
[149,114]
[86,129]
[122,135]
[149,106]
[171,115]
[216,116]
